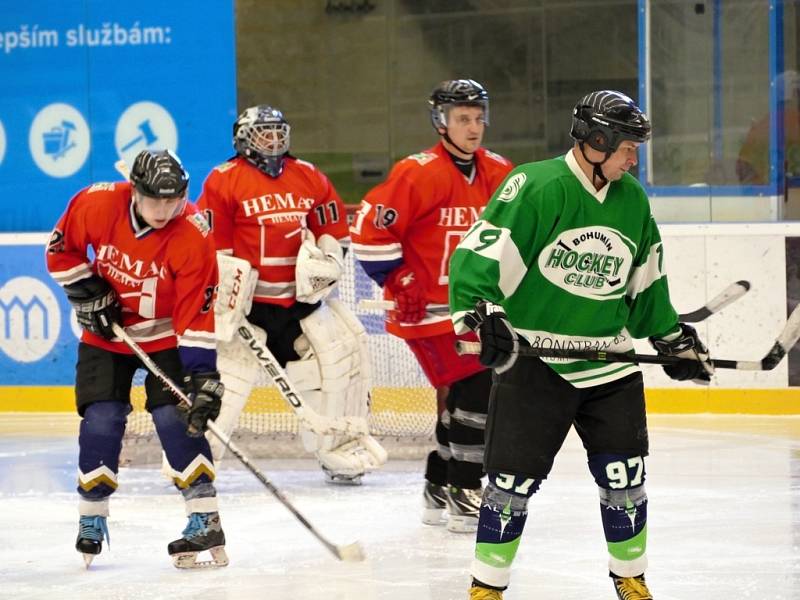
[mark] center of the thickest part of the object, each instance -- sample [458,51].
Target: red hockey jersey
[261,218]
[164,278]
[416,218]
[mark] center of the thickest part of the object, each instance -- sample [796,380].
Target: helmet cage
[262,135]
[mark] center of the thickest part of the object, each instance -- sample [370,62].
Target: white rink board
[703,259]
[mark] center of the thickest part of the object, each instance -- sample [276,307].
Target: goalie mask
[261,135]
[456,92]
[159,186]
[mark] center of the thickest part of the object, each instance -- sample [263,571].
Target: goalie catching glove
[686,344]
[96,305]
[499,341]
[205,391]
[319,267]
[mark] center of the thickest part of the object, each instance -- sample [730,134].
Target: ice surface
[724,523]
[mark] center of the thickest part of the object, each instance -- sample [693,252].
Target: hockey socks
[624,514]
[100,442]
[500,525]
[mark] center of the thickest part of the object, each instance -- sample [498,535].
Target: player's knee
[507,485]
[105,418]
[622,499]
[470,397]
[168,418]
[617,471]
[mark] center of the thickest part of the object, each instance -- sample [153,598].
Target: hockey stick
[786,340]
[351,552]
[313,421]
[727,296]
[122,169]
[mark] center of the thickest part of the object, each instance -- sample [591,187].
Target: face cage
[268,139]
[439,113]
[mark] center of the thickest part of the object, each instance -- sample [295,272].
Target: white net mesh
[403,403]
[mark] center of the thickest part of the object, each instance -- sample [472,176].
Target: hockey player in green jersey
[567,255]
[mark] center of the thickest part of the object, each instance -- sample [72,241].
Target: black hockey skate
[92,530]
[434,503]
[463,509]
[203,532]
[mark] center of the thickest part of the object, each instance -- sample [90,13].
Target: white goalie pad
[319,267]
[334,378]
[238,371]
[237,283]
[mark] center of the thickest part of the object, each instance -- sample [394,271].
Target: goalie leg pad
[237,283]
[238,371]
[333,375]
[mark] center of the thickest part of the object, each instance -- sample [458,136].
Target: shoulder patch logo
[200,222]
[496,157]
[512,187]
[423,158]
[101,187]
[226,166]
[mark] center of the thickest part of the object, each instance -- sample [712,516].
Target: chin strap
[446,137]
[597,172]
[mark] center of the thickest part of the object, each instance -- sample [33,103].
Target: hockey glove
[96,305]
[499,341]
[319,267]
[409,296]
[205,391]
[686,344]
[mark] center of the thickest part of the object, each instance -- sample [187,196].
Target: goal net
[402,410]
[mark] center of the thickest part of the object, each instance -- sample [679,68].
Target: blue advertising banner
[86,82]
[39,338]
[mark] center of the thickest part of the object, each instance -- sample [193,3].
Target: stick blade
[351,552]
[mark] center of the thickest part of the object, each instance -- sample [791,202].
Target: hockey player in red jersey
[153,273]
[279,224]
[403,235]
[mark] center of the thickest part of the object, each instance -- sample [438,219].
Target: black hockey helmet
[261,135]
[605,118]
[159,174]
[456,92]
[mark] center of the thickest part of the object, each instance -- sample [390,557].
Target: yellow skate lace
[632,588]
[482,593]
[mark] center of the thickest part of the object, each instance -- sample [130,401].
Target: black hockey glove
[687,344]
[499,341]
[96,305]
[205,391]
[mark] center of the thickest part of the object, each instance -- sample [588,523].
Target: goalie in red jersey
[403,235]
[153,273]
[281,231]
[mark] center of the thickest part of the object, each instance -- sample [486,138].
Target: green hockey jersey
[572,267]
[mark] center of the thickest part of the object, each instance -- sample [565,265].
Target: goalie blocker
[327,386]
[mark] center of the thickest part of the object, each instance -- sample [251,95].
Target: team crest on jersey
[101,187]
[512,187]
[200,222]
[226,166]
[591,262]
[423,158]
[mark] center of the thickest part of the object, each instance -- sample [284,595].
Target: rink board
[38,333]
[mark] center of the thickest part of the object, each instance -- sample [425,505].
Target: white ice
[724,524]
